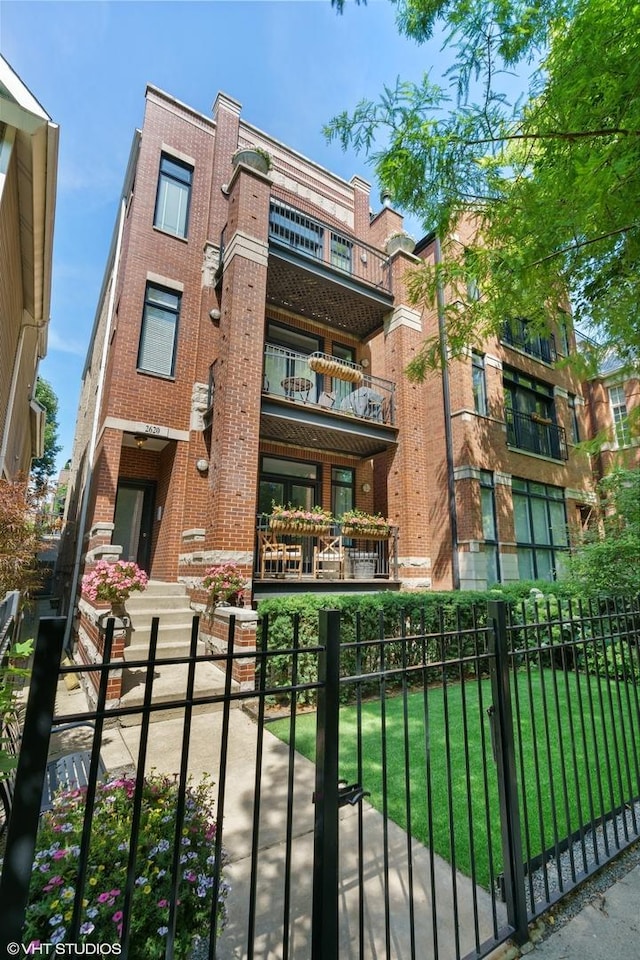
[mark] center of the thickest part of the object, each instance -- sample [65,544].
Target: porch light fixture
[366,487]
[214,314]
[202,465]
[140,442]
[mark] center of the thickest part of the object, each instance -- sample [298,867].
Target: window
[574,423]
[518,332]
[479,384]
[288,481]
[286,356]
[471,272]
[174,194]
[341,252]
[540,521]
[618,403]
[296,230]
[342,479]
[530,414]
[159,329]
[489,526]
[565,345]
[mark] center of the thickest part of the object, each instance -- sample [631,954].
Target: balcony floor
[293,586]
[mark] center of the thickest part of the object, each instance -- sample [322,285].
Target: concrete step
[169,685]
[141,619]
[171,646]
[160,588]
[138,602]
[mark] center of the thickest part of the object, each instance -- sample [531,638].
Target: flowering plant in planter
[357,523]
[113,581]
[52,893]
[224,583]
[298,520]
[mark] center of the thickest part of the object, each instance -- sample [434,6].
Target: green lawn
[461,817]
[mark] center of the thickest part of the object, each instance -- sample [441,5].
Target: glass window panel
[488,517]
[540,517]
[342,500]
[521,519]
[518,484]
[544,563]
[157,341]
[289,468]
[491,553]
[302,496]
[270,492]
[479,384]
[559,532]
[342,475]
[525,564]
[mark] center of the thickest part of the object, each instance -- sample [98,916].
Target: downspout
[94,427]
[446,399]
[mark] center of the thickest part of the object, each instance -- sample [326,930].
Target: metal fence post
[27,799]
[324,928]
[507,775]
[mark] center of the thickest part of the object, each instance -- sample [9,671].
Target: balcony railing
[364,559]
[289,374]
[294,230]
[536,434]
[517,335]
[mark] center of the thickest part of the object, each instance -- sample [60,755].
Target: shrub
[52,891]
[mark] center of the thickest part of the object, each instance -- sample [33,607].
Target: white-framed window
[174,196]
[618,402]
[157,350]
[479,384]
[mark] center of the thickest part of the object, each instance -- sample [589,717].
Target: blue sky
[293,65]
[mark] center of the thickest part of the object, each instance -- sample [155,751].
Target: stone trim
[197,533]
[133,426]
[165,281]
[166,148]
[199,396]
[101,529]
[466,473]
[417,562]
[402,316]
[241,244]
[210,263]
[560,392]
[219,556]
[504,478]
[104,551]
[582,496]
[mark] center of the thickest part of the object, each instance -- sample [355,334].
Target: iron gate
[419,792]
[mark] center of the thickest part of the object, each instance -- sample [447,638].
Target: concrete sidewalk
[607,927]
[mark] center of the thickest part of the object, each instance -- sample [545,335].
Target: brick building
[249,347]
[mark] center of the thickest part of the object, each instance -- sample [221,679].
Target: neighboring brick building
[612,400]
[250,345]
[28,174]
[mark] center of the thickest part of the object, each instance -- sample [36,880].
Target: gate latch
[351,793]
[491,713]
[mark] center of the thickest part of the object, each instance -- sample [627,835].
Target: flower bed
[52,892]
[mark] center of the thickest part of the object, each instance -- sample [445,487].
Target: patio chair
[278,558]
[328,557]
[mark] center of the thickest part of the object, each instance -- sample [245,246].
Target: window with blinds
[159,331]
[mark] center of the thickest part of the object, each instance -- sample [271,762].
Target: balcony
[536,434]
[367,564]
[516,333]
[342,410]
[325,275]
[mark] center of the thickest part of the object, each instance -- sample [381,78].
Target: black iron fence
[389,793]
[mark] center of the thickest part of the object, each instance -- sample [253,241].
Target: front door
[133,521]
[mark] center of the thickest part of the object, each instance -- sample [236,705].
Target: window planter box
[330,367]
[299,527]
[366,533]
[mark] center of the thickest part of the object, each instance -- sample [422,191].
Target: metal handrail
[533,433]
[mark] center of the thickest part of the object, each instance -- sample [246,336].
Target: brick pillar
[230,529]
[407,487]
[214,633]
